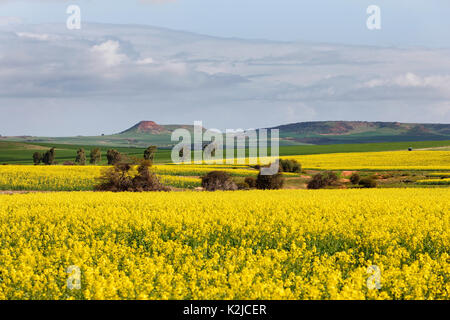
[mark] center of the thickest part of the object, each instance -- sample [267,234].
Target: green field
[21,153]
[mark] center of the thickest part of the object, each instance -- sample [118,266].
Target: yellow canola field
[288,244]
[440,174]
[73,178]
[83,178]
[434,181]
[391,160]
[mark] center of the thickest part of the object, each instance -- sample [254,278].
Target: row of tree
[95,157]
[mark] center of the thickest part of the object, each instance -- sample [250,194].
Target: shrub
[269,182]
[368,183]
[68,163]
[146,180]
[330,178]
[251,182]
[355,178]
[317,182]
[322,180]
[120,178]
[218,180]
[242,186]
[290,166]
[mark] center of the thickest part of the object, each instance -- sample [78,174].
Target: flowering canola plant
[83,178]
[434,181]
[287,244]
[390,160]
[71,178]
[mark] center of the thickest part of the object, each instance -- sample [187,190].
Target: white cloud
[411,80]
[171,76]
[109,53]
[36,36]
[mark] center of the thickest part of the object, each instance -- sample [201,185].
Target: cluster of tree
[95,157]
[48,158]
[121,178]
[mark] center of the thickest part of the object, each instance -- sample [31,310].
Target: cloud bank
[51,78]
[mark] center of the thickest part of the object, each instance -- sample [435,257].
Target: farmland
[21,153]
[253,244]
[240,245]
[401,160]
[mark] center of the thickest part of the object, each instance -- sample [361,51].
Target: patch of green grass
[360,147]
[22,153]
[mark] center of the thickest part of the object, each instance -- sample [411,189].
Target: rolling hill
[145,133]
[336,132]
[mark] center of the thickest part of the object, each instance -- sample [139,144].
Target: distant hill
[146,133]
[334,132]
[152,128]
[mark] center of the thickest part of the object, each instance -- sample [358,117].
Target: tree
[81,157]
[96,156]
[113,156]
[49,157]
[37,158]
[149,153]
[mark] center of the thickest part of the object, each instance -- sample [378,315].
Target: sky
[231,64]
